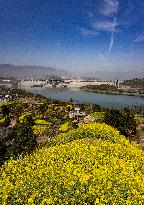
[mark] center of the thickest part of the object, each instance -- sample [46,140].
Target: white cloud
[139,38]
[105,25]
[87,32]
[110,7]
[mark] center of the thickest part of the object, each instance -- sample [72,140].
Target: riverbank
[113,92]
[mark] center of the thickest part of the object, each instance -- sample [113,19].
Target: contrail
[114,23]
[111,42]
[112,35]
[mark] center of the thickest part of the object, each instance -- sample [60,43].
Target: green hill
[136,83]
[93,164]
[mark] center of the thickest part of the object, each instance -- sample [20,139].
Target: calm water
[88,97]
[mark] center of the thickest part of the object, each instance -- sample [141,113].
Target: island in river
[114,90]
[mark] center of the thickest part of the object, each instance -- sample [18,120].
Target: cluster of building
[76,113]
[8,97]
[8,82]
[66,82]
[62,82]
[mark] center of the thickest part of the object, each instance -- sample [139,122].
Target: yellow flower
[97,201]
[47,201]
[30,201]
[91,164]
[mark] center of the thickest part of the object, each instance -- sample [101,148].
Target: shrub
[39,129]
[84,171]
[99,116]
[123,121]
[22,117]
[42,122]
[42,107]
[96,108]
[5,110]
[25,140]
[2,121]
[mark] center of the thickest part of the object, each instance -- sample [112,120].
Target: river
[117,101]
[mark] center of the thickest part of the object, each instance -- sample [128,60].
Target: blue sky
[77,35]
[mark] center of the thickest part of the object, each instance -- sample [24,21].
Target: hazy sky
[77,35]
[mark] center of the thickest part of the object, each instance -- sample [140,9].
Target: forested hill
[134,82]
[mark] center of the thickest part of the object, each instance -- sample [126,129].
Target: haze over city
[79,36]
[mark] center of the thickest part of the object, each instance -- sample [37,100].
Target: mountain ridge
[23,71]
[38,71]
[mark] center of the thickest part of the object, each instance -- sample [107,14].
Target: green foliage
[123,121]
[64,127]
[93,130]
[42,107]
[108,170]
[42,122]
[39,129]
[71,100]
[134,83]
[2,121]
[96,108]
[23,116]
[101,87]
[24,140]
[5,110]
[99,116]
[40,126]
[9,104]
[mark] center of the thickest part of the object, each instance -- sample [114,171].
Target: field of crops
[89,165]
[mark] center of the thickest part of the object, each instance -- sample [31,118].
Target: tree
[71,100]
[96,108]
[130,122]
[6,113]
[25,140]
[122,120]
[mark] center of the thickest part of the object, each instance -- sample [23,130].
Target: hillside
[102,168]
[31,115]
[51,156]
[19,72]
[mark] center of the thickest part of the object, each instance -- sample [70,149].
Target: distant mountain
[7,70]
[19,72]
[111,75]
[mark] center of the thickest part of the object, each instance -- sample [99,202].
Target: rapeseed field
[91,165]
